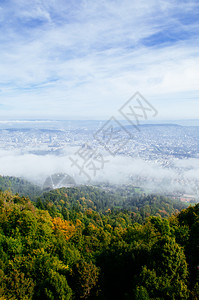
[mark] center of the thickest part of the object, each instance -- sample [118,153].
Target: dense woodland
[20,186]
[86,243]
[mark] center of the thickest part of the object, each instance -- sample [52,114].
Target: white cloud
[183,177]
[80,57]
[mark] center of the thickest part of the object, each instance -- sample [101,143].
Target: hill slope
[91,256]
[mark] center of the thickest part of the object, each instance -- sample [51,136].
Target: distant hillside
[20,186]
[115,198]
[126,199]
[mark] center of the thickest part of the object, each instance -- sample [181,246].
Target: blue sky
[84,59]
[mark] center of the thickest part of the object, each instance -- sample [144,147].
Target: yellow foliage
[38,251]
[66,227]
[109,227]
[119,230]
[92,227]
[78,223]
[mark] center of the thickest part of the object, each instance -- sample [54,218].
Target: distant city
[160,142]
[170,147]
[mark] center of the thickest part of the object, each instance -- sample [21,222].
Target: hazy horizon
[182,122]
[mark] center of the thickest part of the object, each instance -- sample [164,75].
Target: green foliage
[20,186]
[141,293]
[69,248]
[165,276]
[189,218]
[72,201]
[85,279]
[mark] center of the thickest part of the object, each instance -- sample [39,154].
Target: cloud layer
[182,177]
[83,59]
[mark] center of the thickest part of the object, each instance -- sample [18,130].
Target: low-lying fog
[181,176]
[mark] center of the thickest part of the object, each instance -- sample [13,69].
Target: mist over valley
[160,158]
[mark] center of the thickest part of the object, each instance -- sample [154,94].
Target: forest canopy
[54,249]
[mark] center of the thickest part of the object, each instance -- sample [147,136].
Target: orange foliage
[92,227]
[78,223]
[66,227]
[89,211]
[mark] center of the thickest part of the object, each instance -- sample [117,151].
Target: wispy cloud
[73,59]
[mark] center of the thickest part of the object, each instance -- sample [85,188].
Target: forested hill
[86,254]
[116,199]
[136,205]
[20,186]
